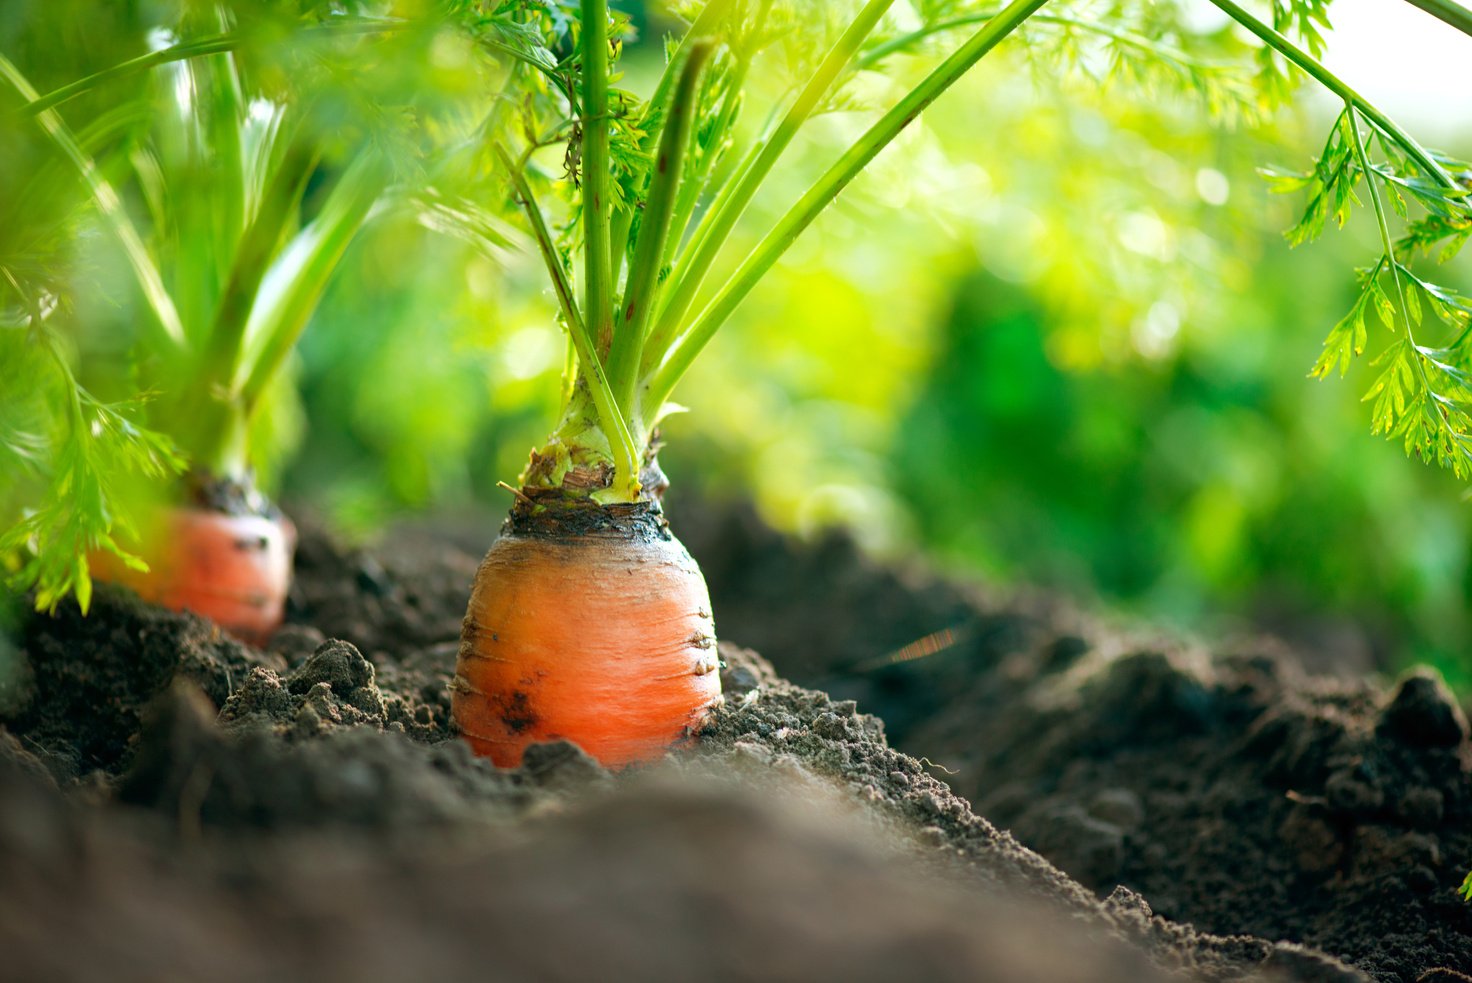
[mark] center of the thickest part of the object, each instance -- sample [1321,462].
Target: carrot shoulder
[602,637]
[233,569]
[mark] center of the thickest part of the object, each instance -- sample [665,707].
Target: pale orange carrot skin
[602,639]
[232,569]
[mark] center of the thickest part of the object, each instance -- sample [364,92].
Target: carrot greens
[260,139]
[656,191]
[1421,394]
[231,201]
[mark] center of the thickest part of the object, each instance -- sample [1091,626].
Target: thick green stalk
[691,191]
[662,380]
[1335,85]
[290,289]
[1448,12]
[654,228]
[253,256]
[597,270]
[703,26]
[212,45]
[703,185]
[214,436]
[226,112]
[166,316]
[621,442]
[730,207]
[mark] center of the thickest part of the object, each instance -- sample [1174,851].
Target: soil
[1231,789]
[176,805]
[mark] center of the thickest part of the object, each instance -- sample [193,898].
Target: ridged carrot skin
[602,637]
[233,569]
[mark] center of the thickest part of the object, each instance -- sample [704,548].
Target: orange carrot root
[602,638]
[233,569]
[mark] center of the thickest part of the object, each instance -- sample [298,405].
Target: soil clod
[1423,713]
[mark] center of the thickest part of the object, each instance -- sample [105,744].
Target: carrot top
[656,187]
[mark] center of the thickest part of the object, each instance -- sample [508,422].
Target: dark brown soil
[174,805]
[1232,791]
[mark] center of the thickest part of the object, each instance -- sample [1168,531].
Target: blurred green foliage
[1053,335]
[175,205]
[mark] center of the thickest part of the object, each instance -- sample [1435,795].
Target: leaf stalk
[730,207]
[1334,84]
[827,188]
[597,270]
[654,229]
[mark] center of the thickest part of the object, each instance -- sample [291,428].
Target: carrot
[593,627]
[232,569]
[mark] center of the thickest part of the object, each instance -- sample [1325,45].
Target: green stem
[654,228]
[880,52]
[701,182]
[662,380]
[257,246]
[293,285]
[597,285]
[733,203]
[1448,12]
[1120,35]
[227,112]
[704,25]
[1389,259]
[212,45]
[691,191]
[1335,85]
[547,246]
[1380,219]
[215,438]
[625,451]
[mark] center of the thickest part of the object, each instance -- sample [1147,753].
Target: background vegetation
[1054,336]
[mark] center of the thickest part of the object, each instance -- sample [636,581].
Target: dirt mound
[653,881]
[303,812]
[1233,790]
[1234,793]
[85,681]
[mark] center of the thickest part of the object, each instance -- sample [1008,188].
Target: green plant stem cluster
[657,191]
[647,342]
